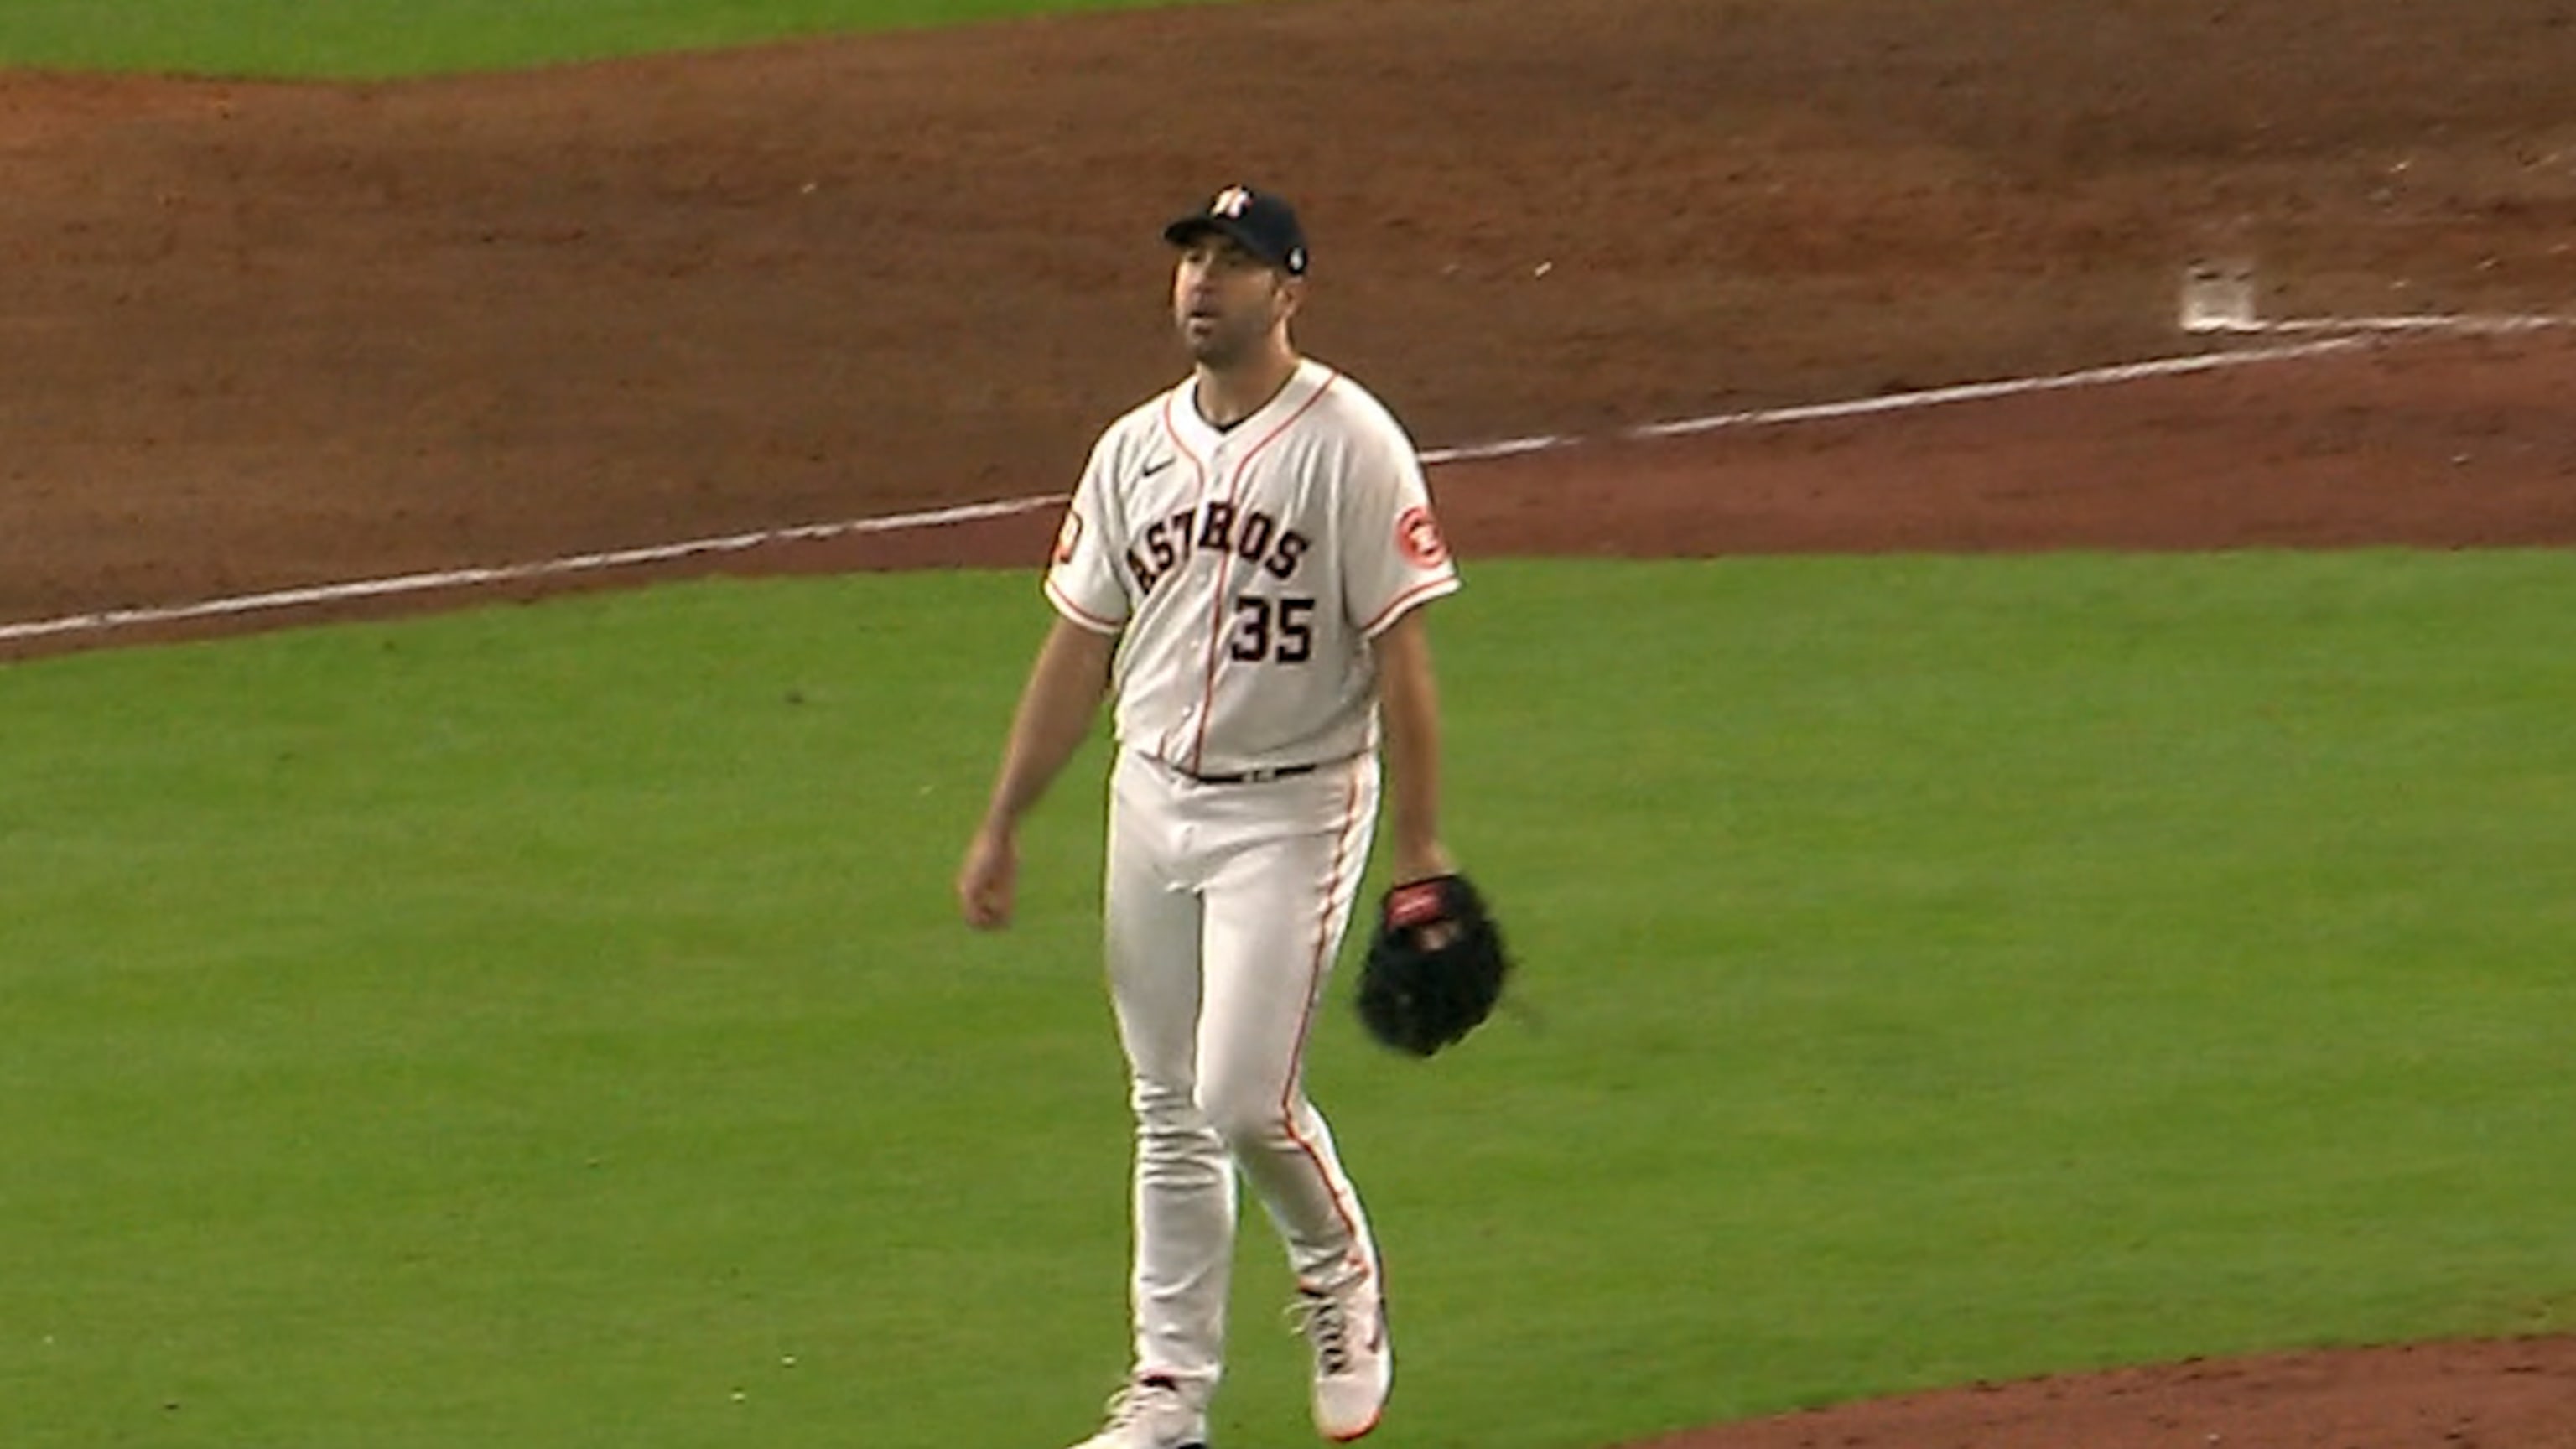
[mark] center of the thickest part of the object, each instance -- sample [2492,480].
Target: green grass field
[540,1025]
[378,38]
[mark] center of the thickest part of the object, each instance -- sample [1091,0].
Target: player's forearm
[1055,714]
[1409,703]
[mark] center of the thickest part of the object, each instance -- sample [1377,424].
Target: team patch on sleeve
[1417,534]
[1068,537]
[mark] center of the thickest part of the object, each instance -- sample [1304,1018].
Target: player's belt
[1246,777]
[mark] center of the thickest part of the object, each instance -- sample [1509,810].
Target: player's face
[1225,300]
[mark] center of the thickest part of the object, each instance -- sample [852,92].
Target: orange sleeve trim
[1077,614]
[1423,592]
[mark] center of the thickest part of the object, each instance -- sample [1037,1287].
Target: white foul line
[1434,457]
[511,573]
[2468,326]
[1982,391]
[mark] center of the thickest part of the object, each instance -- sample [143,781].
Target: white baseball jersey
[1247,569]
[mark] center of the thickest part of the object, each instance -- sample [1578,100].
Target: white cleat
[1354,1362]
[1152,1412]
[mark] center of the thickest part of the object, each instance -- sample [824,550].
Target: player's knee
[1245,1119]
[1171,1106]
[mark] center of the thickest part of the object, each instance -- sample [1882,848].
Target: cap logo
[1230,202]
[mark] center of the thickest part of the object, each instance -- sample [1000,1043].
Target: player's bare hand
[988,880]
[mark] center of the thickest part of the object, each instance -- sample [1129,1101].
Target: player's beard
[1228,337]
[1220,340]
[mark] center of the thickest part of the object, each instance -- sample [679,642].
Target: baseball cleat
[1354,1362]
[1151,1412]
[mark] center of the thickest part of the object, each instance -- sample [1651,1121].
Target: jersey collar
[1202,436]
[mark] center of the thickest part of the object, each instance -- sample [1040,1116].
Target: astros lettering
[1255,537]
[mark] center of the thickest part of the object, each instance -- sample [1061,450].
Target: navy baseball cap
[1260,223]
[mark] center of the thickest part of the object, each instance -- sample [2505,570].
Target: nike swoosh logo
[1155,467]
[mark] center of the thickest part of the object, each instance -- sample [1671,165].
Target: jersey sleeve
[1083,579]
[1394,556]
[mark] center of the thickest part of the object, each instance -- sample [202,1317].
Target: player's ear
[1292,295]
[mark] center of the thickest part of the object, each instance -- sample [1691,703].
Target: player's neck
[1227,395]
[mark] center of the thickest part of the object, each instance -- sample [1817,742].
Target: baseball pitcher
[1242,570]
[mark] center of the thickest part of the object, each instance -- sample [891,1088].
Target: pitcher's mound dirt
[262,335]
[2512,1394]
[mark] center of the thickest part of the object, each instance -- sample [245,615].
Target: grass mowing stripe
[386,38]
[539,1025]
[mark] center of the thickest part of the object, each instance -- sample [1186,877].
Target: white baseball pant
[1226,905]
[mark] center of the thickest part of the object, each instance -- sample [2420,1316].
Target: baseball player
[1243,568]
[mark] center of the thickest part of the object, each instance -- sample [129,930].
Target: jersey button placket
[1217,489]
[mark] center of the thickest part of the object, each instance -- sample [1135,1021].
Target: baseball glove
[1435,966]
